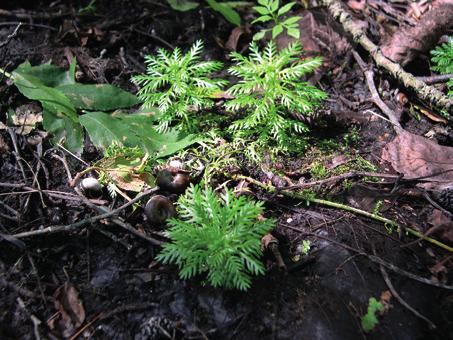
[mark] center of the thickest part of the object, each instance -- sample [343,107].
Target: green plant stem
[7,74]
[271,188]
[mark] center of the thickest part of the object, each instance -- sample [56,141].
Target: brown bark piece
[409,42]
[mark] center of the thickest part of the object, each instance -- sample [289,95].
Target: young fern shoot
[217,235]
[179,85]
[442,57]
[270,89]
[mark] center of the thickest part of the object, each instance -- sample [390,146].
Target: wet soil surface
[124,292]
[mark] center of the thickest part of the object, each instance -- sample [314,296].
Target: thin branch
[386,221]
[440,78]
[389,284]
[12,35]
[386,264]
[425,92]
[78,225]
[375,98]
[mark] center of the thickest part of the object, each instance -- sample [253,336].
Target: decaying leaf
[416,156]
[442,226]
[127,171]
[315,33]
[71,313]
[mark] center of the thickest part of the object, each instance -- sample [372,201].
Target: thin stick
[386,221]
[375,98]
[12,35]
[77,225]
[389,284]
[425,92]
[386,264]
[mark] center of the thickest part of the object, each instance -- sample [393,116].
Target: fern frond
[175,81]
[217,235]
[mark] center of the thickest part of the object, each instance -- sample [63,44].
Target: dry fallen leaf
[416,156]
[70,310]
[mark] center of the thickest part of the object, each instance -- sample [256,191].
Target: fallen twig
[386,264]
[424,91]
[77,225]
[375,98]
[386,221]
[12,35]
[440,78]
[389,284]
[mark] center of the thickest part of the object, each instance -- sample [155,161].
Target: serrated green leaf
[294,32]
[259,35]
[274,5]
[285,8]
[227,11]
[98,97]
[291,21]
[263,18]
[261,10]
[276,30]
[182,5]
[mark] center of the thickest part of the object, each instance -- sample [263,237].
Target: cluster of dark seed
[155,328]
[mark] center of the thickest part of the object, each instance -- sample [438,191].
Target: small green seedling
[179,85]
[224,8]
[270,12]
[269,90]
[88,9]
[219,236]
[442,57]
[369,320]
[305,247]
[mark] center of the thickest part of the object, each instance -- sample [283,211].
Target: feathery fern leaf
[269,89]
[179,85]
[442,56]
[217,235]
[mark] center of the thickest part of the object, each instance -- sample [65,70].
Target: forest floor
[102,282]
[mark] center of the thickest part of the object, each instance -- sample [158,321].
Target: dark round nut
[174,182]
[91,187]
[158,209]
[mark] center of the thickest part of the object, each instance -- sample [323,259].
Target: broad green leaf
[285,8]
[276,30]
[98,97]
[263,2]
[227,11]
[32,88]
[294,32]
[64,130]
[274,5]
[261,10]
[291,21]
[182,5]
[49,75]
[168,143]
[259,35]
[133,130]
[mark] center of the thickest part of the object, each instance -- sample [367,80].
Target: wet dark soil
[125,293]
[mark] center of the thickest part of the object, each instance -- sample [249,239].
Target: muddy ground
[124,292]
